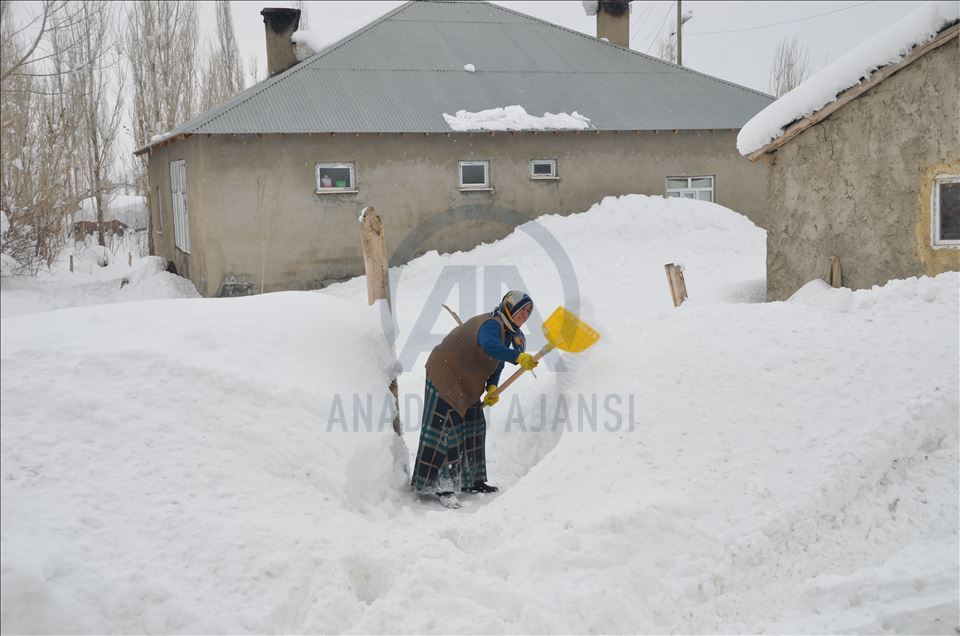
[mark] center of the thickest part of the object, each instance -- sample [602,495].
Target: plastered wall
[857,185]
[256,219]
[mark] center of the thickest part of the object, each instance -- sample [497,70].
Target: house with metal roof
[864,161]
[462,117]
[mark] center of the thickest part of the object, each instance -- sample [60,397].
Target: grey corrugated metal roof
[401,72]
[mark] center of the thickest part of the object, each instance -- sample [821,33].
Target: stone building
[263,192]
[872,177]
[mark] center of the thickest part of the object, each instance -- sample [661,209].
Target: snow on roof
[514,118]
[309,42]
[886,47]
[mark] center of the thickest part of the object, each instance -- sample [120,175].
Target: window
[700,188]
[946,211]
[543,169]
[336,177]
[474,175]
[178,194]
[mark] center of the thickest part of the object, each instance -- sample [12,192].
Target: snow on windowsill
[886,47]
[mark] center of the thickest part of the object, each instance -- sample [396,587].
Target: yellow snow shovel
[564,331]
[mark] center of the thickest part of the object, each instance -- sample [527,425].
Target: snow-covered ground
[205,465]
[100,275]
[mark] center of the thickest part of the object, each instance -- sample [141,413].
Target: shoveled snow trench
[227,465]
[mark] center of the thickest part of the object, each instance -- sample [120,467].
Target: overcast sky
[741,52]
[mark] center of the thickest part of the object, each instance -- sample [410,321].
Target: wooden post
[374,256]
[834,275]
[71,263]
[376,266]
[678,287]
[130,259]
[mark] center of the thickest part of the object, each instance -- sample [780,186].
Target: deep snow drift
[206,466]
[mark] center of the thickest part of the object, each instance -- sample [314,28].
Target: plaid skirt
[451,454]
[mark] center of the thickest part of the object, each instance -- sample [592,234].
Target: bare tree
[161,48]
[100,102]
[38,127]
[253,70]
[667,49]
[304,15]
[50,18]
[791,65]
[223,76]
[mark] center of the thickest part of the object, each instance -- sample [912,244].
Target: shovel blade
[567,332]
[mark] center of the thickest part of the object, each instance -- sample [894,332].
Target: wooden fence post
[376,266]
[130,259]
[834,275]
[71,263]
[678,287]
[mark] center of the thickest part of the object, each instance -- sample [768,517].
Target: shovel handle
[547,348]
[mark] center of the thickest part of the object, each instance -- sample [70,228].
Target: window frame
[712,189]
[340,165]
[544,177]
[178,197]
[935,241]
[472,186]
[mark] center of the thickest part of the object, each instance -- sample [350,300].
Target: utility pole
[679,34]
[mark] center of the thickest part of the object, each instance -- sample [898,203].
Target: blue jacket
[506,350]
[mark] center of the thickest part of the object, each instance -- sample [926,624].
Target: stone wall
[857,185]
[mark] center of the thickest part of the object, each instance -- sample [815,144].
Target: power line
[766,26]
[639,20]
[660,30]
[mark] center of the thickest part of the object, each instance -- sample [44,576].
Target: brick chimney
[613,22]
[279,25]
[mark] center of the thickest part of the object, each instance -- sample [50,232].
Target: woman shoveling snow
[451,456]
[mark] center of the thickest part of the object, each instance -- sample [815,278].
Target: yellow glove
[526,361]
[491,397]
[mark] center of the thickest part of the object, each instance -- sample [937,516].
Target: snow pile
[469,68]
[514,118]
[887,47]
[182,451]
[226,466]
[92,284]
[130,210]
